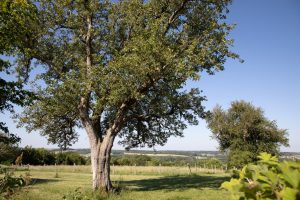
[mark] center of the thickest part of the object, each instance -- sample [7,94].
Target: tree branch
[174,15]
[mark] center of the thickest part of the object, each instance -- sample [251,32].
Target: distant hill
[195,154]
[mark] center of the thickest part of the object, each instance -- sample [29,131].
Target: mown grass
[75,182]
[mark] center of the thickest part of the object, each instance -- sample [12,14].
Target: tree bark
[95,162]
[100,157]
[105,151]
[101,146]
[100,160]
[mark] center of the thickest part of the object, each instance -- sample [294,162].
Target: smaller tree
[244,131]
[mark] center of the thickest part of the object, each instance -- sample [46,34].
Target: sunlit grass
[132,170]
[145,183]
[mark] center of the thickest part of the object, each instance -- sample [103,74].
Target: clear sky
[267,37]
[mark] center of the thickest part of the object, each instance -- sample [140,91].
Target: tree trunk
[95,161]
[101,147]
[100,160]
[105,150]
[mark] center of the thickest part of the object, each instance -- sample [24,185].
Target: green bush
[8,183]
[269,179]
[41,156]
[70,158]
[38,156]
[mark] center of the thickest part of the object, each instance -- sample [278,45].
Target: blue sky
[267,37]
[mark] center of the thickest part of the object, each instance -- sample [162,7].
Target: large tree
[244,131]
[119,69]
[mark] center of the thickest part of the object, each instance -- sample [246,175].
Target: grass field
[146,183]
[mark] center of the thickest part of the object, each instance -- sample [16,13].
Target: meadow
[133,183]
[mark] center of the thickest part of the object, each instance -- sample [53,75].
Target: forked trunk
[101,147]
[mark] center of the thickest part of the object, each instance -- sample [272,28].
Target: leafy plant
[8,183]
[269,179]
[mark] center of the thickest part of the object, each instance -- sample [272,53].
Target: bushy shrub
[41,156]
[38,156]
[269,179]
[9,183]
[139,160]
[70,158]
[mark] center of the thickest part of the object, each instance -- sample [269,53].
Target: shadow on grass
[176,182]
[36,181]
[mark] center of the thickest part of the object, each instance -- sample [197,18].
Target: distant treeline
[173,152]
[144,160]
[41,156]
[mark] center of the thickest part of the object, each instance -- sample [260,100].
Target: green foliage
[138,160]
[37,156]
[16,37]
[69,158]
[8,148]
[8,183]
[41,156]
[144,160]
[126,61]
[119,68]
[210,163]
[238,158]
[269,179]
[243,131]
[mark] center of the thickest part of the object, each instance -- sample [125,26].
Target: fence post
[190,172]
[159,168]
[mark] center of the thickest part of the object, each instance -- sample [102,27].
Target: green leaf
[268,158]
[234,185]
[290,176]
[289,194]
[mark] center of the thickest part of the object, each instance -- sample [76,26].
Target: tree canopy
[17,22]
[120,69]
[244,131]
[142,54]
